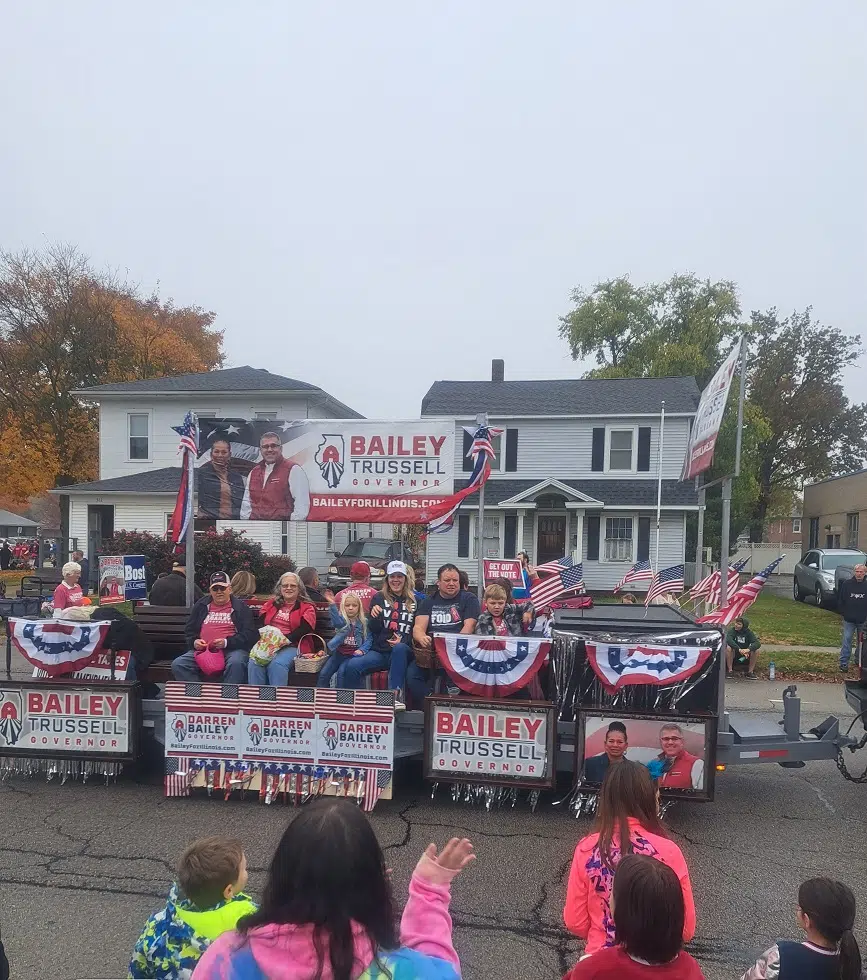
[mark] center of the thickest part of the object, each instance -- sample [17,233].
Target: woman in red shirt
[292,612]
[649,919]
[69,592]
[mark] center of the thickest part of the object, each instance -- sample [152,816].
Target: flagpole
[190,540]
[480,529]
[659,478]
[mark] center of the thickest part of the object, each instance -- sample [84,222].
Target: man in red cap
[359,584]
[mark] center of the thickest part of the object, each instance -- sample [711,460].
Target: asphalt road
[83,866]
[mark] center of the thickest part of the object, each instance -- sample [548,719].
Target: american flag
[375,781]
[189,447]
[743,598]
[566,580]
[482,452]
[669,580]
[277,700]
[198,696]
[641,571]
[367,705]
[177,779]
[555,566]
[708,587]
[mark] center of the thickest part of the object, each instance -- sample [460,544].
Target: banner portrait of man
[220,486]
[277,489]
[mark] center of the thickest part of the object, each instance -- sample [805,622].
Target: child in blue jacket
[351,639]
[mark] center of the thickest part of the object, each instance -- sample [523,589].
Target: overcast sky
[374,196]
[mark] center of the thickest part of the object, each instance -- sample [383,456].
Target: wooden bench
[42,583]
[164,627]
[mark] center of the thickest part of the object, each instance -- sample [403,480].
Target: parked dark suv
[377,552]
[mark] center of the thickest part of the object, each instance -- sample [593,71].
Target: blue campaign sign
[134,577]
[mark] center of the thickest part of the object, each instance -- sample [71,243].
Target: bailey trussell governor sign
[323,470]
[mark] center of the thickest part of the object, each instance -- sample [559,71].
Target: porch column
[579,540]
[519,545]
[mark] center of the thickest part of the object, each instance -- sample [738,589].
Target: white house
[575,472]
[139,469]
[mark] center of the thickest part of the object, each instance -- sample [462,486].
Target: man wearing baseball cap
[220,634]
[171,589]
[359,584]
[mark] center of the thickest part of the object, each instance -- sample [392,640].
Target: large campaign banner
[300,741]
[324,470]
[708,418]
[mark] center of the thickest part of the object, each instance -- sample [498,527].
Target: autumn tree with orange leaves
[65,326]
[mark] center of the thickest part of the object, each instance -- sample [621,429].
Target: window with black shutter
[463,535]
[643,539]
[597,459]
[467,464]
[510,536]
[593,536]
[511,450]
[644,448]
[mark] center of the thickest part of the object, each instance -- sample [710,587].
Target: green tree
[674,328]
[813,431]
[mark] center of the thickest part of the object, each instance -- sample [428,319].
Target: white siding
[78,523]
[166,412]
[562,448]
[599,576]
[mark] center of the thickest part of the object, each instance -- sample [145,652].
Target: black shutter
[468,460]
[643,539]
[510,536]
[511,450]
[644,448]
[463,535]
[593,535]
[597,460]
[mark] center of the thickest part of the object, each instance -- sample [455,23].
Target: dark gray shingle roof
[638,493]
[165,480]
[236,379]
[587,396]
[7,518]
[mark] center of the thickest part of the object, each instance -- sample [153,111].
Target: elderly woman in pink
[69,592]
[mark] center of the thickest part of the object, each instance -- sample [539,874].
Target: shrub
[275,566]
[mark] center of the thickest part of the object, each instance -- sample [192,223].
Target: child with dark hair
[627,823]
[648,921]
[826,913]
[207,900]
[327,911]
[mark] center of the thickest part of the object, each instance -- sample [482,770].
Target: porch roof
[608,493]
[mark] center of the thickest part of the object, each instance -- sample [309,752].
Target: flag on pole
[709,585]
[555,566]
[550,588]
[742,599]
[669,580]
[481,451]
[182,515]
[640,572]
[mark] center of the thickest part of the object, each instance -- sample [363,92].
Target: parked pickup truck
[820,572]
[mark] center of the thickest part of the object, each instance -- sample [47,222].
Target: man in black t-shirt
[448,610]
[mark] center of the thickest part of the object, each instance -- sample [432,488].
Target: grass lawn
[803,665]
[779,619]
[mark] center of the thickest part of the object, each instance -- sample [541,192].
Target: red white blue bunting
[619,665]
[491,666]
[57,647]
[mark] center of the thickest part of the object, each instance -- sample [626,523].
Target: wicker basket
[312,654]
[426,658]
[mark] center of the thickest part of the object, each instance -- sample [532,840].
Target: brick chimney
[498,369]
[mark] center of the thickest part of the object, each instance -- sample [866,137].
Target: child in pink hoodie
[628,823]
[327,911]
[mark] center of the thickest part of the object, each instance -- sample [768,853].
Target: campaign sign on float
[98,721]
[507,568]
[208,730]
[134,578]
[490,741]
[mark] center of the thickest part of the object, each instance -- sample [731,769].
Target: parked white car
[821,570]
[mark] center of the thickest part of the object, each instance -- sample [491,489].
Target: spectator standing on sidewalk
[852,604]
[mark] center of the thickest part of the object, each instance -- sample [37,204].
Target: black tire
[797,592]
[820,597]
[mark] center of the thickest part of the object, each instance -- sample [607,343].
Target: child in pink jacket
[327,911]
[628,811]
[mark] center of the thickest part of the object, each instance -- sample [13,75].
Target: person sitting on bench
[220,633]
[742,645]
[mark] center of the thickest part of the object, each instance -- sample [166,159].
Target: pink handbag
[211,662]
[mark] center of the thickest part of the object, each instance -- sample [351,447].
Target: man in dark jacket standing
[218,623]
[171,589]
[5,556]
[84,578]
[852,605]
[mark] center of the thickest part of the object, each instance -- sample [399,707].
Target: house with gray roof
[139,467]
[575,472]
